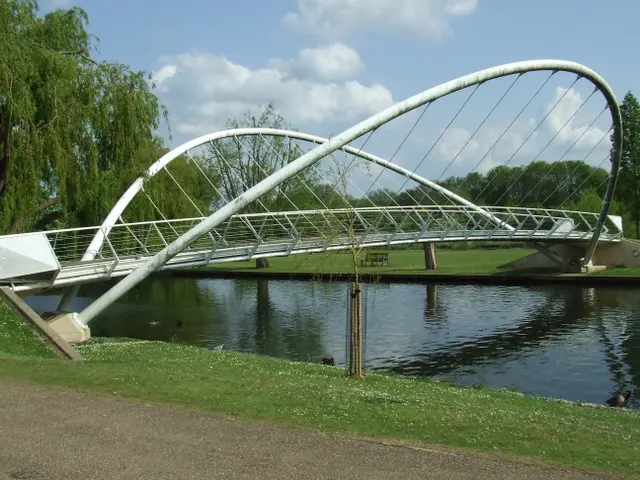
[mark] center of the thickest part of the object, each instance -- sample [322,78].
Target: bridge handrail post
[115,256]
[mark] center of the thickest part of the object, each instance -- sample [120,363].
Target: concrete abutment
[68,326]
[565,257]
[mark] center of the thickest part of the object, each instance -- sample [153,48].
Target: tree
[590,201]
[74,133]
[244,162]
[629,179]
[539,184]
[168,187]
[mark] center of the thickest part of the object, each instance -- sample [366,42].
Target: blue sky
[330,63]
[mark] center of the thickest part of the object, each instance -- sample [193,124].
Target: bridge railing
[332,228]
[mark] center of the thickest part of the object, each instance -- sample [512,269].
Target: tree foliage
[243,163]
[177,191]
[539,184]
[74,133]
[628,188]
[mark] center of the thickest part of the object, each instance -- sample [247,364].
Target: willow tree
[74,132]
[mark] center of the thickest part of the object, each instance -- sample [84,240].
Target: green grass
[405,262]
[320,397]
[618,272]
[19,338]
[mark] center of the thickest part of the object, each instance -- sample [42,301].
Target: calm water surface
[559,341]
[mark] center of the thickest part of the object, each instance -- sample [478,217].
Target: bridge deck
[244,237]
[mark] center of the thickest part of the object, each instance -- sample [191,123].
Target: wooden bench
[375,258]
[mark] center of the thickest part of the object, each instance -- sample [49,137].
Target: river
[561,341]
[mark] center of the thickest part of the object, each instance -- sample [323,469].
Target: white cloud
[327,62]
[571,129]
[565,134]
[492,146]
[161,76]
[203,90]
[418,18]
[454,140]
[560,126]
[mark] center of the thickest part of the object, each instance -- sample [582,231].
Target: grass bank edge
[402,409]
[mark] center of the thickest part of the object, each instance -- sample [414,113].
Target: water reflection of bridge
[579,309]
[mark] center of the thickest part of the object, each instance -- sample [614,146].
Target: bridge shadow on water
[562,341]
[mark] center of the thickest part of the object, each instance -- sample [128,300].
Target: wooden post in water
[430,260]
[356,360]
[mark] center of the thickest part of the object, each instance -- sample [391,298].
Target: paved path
[49,433]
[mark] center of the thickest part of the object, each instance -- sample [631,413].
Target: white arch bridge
[276,192]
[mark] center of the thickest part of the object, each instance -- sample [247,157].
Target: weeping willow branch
[19,222]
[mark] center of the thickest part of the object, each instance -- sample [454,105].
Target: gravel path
[50,433]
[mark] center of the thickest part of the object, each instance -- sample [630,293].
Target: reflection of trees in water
[151,311]
[540,326]
[580,308]
[630,344]
[622,357]
[298,337]
[631,355]
[264,319]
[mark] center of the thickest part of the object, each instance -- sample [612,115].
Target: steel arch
[157,166]
[112,217]
[361,129]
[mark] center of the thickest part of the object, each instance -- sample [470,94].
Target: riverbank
[407,266]
[321,398]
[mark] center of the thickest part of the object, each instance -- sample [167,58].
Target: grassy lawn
[410,262]
[19,338]
[320,397]
[400,262]
[618,272]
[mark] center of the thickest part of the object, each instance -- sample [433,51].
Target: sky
[328,64]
